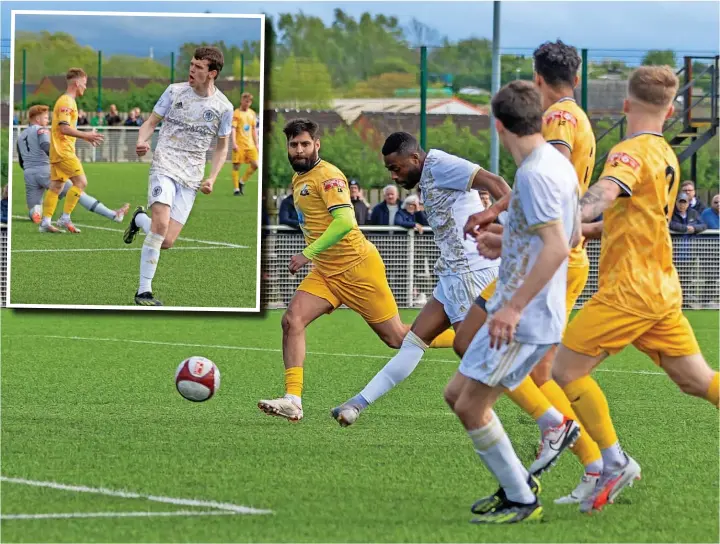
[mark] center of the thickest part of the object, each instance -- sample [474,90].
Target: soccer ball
[197,379]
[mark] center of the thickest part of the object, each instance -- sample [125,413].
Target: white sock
[45,222]
[142,220]
[65,216]
[613,457]
[149,258]
[551,418]
[596,467]
[397,369]
[494,448]
[94,205]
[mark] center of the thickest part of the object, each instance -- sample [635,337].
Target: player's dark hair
[518,106]
[401,143]
[295,127]
[213,55]
[557,63]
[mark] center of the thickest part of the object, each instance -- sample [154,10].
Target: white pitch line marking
[80,250]
[274,350]
[210,242]
[238,509]
[72,515]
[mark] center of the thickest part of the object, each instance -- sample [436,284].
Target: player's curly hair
[295,127]
[213,55]
[518,106]
[401,143]
[36,110]
[557,63]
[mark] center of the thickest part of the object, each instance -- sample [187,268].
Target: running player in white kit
[193,114]
[448,186]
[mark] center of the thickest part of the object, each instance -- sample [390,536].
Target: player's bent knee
[542,373]
[691,374]
[167,243]
[460,344]
[292,322]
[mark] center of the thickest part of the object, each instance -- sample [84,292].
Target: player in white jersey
[526,315]
[193,114]
[33,152]
[448,186]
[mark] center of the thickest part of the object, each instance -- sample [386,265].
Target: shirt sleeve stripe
[472,177]
[625,188]
[338,206]
[560,142]
[533,228]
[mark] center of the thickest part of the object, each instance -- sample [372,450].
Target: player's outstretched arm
[93,138]
[342,223]
[554,251]
[495,185]
[216,164]
[598,198]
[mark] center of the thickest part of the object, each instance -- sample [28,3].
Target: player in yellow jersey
[64,164]
[244,142]
[639,298]
[347,267]
[567,127]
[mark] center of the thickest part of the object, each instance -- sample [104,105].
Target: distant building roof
[351,108]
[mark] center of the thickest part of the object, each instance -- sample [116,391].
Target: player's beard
[303,165]
[413,178]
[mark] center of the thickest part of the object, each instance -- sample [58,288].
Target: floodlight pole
[494,87]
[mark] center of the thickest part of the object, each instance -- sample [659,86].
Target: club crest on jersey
[42,131]
[561,116]
[305,191]
[617,158]
[156,191]
[208,115]
[178,105]
[65,109]
[329,184]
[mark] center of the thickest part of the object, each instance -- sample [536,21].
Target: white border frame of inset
[261,19]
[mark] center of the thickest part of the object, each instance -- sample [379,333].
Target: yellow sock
[528,396]
[71,199]
[236,178]
[444,339]
[249,172]
[294,381]
[50,203]
[713,394]
[591,406]
[585,448]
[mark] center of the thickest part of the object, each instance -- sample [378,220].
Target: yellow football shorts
[245,156]
[66,169]
[599,328]
[576,280]
[363,288]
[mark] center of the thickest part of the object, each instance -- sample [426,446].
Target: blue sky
[681,25]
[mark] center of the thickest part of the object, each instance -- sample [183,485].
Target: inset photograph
[136,154]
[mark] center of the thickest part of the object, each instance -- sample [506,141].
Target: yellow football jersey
[565,123]
[316,193]
[243,124]
[65,112]
[636,259]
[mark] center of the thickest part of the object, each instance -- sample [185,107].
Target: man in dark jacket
[384,212]
[685,220]
[361,209]
[688,187]
[288,213]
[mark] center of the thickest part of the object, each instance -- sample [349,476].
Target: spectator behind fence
[138,117]
[485,199]
[384,212]
[709,216]
[409,216]
[688,187]
[4,205]
[82,120]
[288,213]
[359,205]
[112,119]
[97,119]
[684,219]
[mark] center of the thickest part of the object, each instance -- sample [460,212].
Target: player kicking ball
[193,114]
[33,149]
[347,267]
[526,315]
[448,187]
[64,164]
[639,298]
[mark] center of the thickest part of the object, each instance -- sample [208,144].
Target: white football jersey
[445,186]
[190,124]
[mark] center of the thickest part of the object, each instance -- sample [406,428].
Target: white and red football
[197,379]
